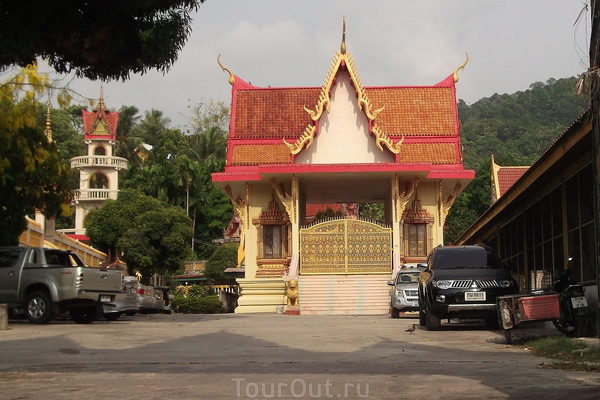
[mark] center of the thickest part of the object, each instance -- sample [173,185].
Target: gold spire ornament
[342,58]
[343,45]
[461,67]
[101,106]
[231,76]
[48,130]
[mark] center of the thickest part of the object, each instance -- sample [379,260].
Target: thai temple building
[98,170]
[291,148]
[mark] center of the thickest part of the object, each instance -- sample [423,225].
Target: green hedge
[197,305]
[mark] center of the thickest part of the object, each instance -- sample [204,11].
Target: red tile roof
[254,154]
[414,111]
[269,126]
[507,176]
[92,119]
[273,113]
[428,153]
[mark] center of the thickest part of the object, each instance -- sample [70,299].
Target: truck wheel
[422,318]
[433,321]
[113,316]
[39,308]
[395,313]
[85,315]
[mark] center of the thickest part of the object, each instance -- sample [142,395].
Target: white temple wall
[343,133]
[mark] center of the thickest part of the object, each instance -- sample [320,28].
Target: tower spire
[343,45]
[101,106]
[48,130]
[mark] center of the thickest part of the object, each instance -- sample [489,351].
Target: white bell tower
[99,169]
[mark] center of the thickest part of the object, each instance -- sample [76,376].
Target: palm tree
[127,141]
[210,146]
[152,126]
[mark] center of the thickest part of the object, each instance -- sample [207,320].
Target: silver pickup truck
[43,282]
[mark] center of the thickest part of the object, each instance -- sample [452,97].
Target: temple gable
[343,131]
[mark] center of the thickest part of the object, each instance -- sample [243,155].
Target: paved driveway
[273,356]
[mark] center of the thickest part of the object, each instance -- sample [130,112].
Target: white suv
[404,296]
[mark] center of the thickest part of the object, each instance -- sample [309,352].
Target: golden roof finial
[343,45]
[48,131]
[101,106]
[231,76]
[459,68]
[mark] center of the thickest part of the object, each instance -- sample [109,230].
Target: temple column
[399,205]
[396,227]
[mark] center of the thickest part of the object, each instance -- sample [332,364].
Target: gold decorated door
[345,246]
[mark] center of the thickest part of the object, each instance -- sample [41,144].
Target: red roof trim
[464,174]
[229,176]
[254,173]
[448,82]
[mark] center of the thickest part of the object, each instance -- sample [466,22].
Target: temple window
[417,232]
[272,241]
[417,240]
[273,232]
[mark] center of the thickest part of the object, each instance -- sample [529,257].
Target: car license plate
[104,298]
[579,302]
[474,296]
[415,304]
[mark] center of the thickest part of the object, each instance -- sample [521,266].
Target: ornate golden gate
[345,246]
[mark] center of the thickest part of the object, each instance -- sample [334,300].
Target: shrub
[197,305]
[191,291]
[197,291]
[224,257]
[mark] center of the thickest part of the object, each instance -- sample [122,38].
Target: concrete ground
[275,356]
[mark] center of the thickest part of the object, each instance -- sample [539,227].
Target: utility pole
[593,74]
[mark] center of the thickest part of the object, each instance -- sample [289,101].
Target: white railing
[95,194]
[98,161]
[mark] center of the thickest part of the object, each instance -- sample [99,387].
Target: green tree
[151,236]
[516,128]
[158,242]
[372,211]
[64,126]
[327,213]
[127,141]
[33,175]
[97,39]
[152,127]
[224,257]
[214,114]
[470,204]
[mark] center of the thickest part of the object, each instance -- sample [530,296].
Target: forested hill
[518,127]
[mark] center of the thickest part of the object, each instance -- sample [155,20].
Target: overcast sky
[511,44]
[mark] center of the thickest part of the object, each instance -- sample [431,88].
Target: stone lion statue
[292,292]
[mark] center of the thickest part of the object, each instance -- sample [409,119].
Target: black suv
[462,282]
